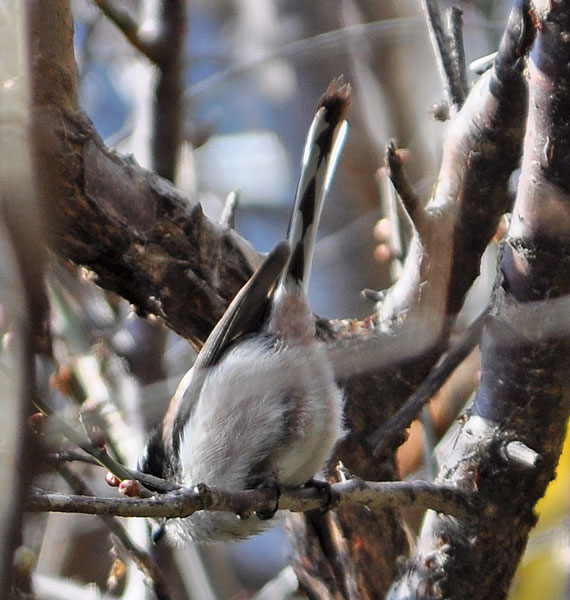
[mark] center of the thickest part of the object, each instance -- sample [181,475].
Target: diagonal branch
[383,436]
[128,27]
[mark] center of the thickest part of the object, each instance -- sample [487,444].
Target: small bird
[260,406]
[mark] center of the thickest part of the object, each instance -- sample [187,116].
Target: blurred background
[254,71]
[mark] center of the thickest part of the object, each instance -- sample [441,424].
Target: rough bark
[131,228]
[524,392]
[481,150]
[143,240]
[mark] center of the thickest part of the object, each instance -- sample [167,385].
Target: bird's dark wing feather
[247,310]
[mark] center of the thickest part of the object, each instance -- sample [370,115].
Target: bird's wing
[245,313]
[248,308]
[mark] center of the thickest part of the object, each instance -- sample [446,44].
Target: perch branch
[184,502]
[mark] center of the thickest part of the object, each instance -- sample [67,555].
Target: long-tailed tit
[261,404]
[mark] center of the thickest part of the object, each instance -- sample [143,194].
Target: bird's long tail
[320,157]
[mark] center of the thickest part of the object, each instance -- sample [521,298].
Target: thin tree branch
[101,456]
[455,27]
[71,456]
[155,578]
[228,216]
[383,437]
[444,55]
[160,485]
[402,184]
[168,110]
[183,503]
[129,28]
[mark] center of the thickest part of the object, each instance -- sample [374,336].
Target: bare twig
[142,559]
[444,54]
[101,456]
[402,184]
[228,216]
[156,483]
[455,27]
[72,456]
[128,27]
[517,452]
[182,503]
[168,111]
[483,63]
[165,49]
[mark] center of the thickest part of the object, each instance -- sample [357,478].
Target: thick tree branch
[134,230]
[155,248]
[524,396]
